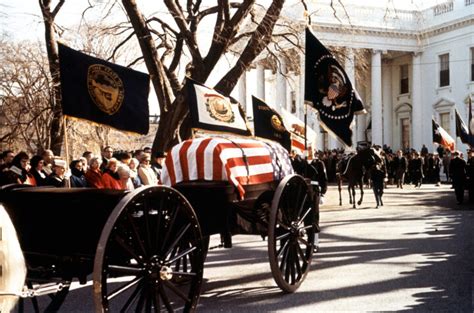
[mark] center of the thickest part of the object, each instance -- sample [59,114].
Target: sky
[21,19]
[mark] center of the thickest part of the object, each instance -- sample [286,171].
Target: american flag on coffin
[237,160]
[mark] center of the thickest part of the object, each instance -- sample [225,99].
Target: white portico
[420,65]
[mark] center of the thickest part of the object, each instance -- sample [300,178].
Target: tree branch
[255,46]
[189,37]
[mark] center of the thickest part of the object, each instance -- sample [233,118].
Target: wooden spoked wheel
[150,256]
[291,232]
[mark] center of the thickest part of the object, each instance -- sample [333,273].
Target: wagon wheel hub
[166,273]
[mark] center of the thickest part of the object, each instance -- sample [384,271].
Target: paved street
[413,254]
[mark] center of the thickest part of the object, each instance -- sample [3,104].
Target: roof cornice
[385,32]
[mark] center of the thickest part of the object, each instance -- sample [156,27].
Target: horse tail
[12,264]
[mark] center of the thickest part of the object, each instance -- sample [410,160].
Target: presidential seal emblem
[105,88]
[277,124]
[219,108]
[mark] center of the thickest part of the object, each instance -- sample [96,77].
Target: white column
[243,94]
[387,103]
[260,82]
[376,84]
[417,113]
[281,86]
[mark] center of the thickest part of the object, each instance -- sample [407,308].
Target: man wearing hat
[58,176]
[457,170]
[157,164]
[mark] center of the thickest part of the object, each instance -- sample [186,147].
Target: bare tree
[244,28]
[25,97]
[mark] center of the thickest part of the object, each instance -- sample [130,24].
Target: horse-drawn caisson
[146,249]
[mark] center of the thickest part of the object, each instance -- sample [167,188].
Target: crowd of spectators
[130,170]
[122,170]
[409,166]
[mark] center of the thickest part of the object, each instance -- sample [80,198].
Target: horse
[353,169]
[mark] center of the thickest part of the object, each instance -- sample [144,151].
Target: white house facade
[421,65]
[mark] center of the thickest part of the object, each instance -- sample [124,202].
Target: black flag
[269,124]
[330,91]
[211,111]
[470,124]
[106,93]
[462,131]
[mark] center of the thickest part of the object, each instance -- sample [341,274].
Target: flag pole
[469,116]
[66,148]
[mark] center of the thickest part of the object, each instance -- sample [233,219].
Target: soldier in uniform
[457,170]
[470,174]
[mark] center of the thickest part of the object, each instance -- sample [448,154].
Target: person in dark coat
[7,158]
[378,174]
[417,169]
[17,172]
[457,170]
[435,169]
[470,174]
[400,166]
[297,162]
[78,179]
[107,154]
[321,176]
[157,163]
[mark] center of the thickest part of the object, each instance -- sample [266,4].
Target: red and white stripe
[219,159]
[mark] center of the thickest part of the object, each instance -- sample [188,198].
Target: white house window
[444,70]
[404,78]
[324,135]
[405,133]
[444,121]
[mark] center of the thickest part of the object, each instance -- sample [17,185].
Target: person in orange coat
[94,174]
[110,178]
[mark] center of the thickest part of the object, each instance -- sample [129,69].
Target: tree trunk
[56,132]
[155,68]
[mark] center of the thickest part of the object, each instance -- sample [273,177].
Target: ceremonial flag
[471,124]
[330,91]
[269,124]
[211,111]
[441,137]
[297,129]
[462,131]
[102,92]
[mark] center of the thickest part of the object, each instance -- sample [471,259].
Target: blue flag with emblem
[102,92]
[269,124]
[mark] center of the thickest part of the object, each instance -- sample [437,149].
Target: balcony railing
[444,8]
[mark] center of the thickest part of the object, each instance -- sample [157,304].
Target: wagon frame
[146,248]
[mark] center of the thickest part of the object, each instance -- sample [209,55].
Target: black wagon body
[146,249]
